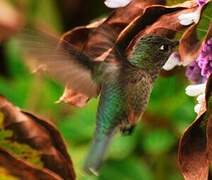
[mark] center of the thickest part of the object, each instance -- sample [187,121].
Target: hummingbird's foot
[127,130]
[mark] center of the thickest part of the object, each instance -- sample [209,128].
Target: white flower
[195,90]
[201,98]
[197,108]
[189,18]
[116,3]
[199,91]
[173,61]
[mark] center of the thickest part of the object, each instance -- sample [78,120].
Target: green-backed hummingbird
[125,82]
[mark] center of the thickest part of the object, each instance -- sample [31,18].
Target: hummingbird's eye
[164,47]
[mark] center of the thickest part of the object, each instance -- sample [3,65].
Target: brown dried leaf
[40,135]
[208,98]
[117,21]
[209,137]
[104,36]
[21,169]
[195,148]
[79,35]
[125,15]
[190,45]
[208,91]
[164,22]
[131,33]
[193,160]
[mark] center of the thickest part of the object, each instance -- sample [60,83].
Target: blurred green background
[149,154]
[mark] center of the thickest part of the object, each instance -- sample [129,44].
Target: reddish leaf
[189,45]
[209,137]
[79,35]
[132,32]
[192,151]
[195,148]
[21,169]
[164,22]
[94,33]
[208,90]
[208,98]
[136,8]
[40,135]
[104,37]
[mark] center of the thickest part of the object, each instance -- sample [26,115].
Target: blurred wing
[64,62]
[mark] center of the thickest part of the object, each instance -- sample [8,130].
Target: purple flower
[201,2]
[200,69]
[205,59]
[193,72]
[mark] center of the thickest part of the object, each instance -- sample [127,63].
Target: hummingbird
[125,91]
[125,83]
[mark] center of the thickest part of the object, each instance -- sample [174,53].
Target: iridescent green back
[111,106]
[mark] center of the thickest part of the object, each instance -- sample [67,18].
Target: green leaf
[158,141]
[14,61]
[126,169]
[122,146]
[79,127]
[169,100]
[205,21]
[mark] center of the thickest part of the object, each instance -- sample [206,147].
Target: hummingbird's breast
[138,85]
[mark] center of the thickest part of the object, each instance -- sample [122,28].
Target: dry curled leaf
[79,35]
[164,22]
[192,152]
[190,44]
[39,134]
[20,169]
[102,32]
[208,98]
[208,92]
[123,16]
[195,148]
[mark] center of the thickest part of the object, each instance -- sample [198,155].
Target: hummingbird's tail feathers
[96,155]
[59,59]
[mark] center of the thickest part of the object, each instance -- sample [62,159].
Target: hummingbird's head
[152,51]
